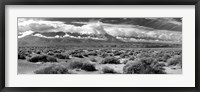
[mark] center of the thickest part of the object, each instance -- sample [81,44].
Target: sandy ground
[25,67]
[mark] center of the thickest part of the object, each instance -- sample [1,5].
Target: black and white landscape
[99,45]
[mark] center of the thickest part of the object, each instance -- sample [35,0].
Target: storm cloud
[96,26]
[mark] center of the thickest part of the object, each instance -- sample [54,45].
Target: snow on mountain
[53,35]
[23,34]
[39,35]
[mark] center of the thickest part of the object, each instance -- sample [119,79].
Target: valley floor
[119,61]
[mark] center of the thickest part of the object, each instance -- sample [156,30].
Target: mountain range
[99,31]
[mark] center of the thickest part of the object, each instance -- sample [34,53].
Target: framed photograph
[101,45]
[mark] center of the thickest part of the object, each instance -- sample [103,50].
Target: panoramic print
[147,45]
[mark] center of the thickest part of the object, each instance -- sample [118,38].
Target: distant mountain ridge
[65,38]
[60,39]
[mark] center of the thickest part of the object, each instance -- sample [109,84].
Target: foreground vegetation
[52,60]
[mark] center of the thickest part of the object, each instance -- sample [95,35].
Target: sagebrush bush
[92,53]
[88,67]
[75,64]
[56,51]
[130,53]
[82,65]
[143,66]
[93,60]
[78,55]
[53,69]
[110,60]
[38,52]
[61,56]
[175,60]
[124,55]
[103,55]
[51,59]
[20,56]
[132,58]
[143,55]
[24,52]
[125,61]
[85,54]
[107,69]
[117,53]
[50,53]
[166,57]
[42,58]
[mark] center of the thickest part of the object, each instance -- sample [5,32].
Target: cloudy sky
[165,29]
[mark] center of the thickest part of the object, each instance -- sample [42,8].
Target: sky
[166,29]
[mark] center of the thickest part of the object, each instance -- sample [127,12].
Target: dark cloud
[172,24]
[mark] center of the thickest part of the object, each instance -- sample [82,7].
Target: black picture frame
[99,2]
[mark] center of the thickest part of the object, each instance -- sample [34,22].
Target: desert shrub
[143,66]
[88,67]
[53,69]
[116,53]
[93,60]
[143,55]
[50,53]
[78,55]
[56,51]
[132,58]
[24,52]
[107,69]
[110,60]
[124,55]
[29,56]
[38,52]
[92,53]
[61,56]
[130,53]
[125,61]
[103,55]
[108,51]
[20,56]
[166,57]
[74,52]
[76,64]
[51,59]
[85,54]
[162,57]
[42,58]
[110,54]
[175,60]
[82,65]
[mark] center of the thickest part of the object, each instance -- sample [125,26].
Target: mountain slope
[57,38]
